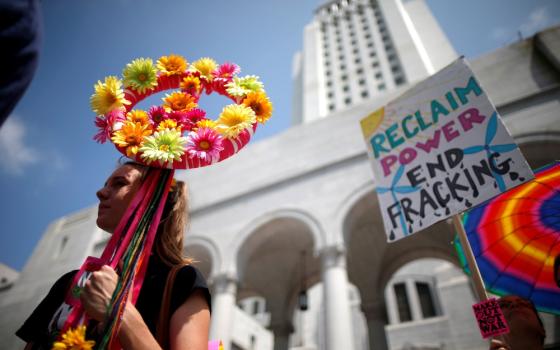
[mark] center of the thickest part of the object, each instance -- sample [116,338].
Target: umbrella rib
[542,267]
[516,253]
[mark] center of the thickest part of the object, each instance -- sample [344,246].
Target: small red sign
[491,320]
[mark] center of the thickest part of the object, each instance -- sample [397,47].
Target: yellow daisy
[191,85]
[172,64]
[260,104]
[108,96]
[205,66]
[138,116]
[234,119]
[168,124]
[131,136]
[206,123]
[74,339]
[178,101]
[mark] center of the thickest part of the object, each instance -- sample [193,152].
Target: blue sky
[49,164]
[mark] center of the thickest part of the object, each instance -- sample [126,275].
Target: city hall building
[289,233]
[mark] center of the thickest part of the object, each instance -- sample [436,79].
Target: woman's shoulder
[190,276]
[189,279]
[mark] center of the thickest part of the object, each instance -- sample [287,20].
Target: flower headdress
[174,135]
[178,134]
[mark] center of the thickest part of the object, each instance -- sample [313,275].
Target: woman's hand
[97,292]
[496,344]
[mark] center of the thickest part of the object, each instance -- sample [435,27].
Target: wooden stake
[475,273]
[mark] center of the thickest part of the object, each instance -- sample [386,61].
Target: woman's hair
[168,244]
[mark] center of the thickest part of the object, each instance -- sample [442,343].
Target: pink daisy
[106,124]
[195,115]
[181,117]
[223,75]
[157,115]
[204,144]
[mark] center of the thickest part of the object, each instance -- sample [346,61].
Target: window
[402,302]
[378,75]
[399,80]
[342,67]
[329,83]
[359,71]
[331,107]
[362,82]
[381,87]
[330,94]
[343,77]
[368,35]
[391,57]
[345,88]
[355,51]
[375,64]
[255,307]
[347,100]
[426,300]
[372,54]
[370,44]
[357,60]
[364,94]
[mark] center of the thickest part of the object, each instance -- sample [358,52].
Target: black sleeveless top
[187,280]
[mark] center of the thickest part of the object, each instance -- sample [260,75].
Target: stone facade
[310,189]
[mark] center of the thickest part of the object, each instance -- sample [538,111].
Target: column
[223,308]
[391,303]
[413,299]
[281,335]
[376,325]
[338,321]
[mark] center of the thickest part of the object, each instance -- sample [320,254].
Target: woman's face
[115,196]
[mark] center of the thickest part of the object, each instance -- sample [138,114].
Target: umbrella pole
[475,273]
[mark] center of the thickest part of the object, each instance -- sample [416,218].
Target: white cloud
[538,19]
[15,154]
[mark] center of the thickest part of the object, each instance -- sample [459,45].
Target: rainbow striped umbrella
[515,238]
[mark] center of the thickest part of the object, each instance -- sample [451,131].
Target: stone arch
[205,254]
[539,148]
[296,215]
[269,254]
[344,218]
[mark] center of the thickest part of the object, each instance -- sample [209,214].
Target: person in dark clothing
[189,304]
[526,330]
[20,40]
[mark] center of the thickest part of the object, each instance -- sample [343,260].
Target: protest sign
[490,319]
[438,150]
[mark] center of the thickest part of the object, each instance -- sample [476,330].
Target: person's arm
[188,328]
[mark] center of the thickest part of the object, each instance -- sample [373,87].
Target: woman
[189,309]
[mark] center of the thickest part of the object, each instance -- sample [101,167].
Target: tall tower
[357,50]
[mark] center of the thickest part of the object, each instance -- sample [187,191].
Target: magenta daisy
[226,71]
[195,115]
[204,144]
[157,115]
[223,75]
[182,119]
[107,124]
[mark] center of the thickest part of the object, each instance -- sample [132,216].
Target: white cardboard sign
[439,149]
